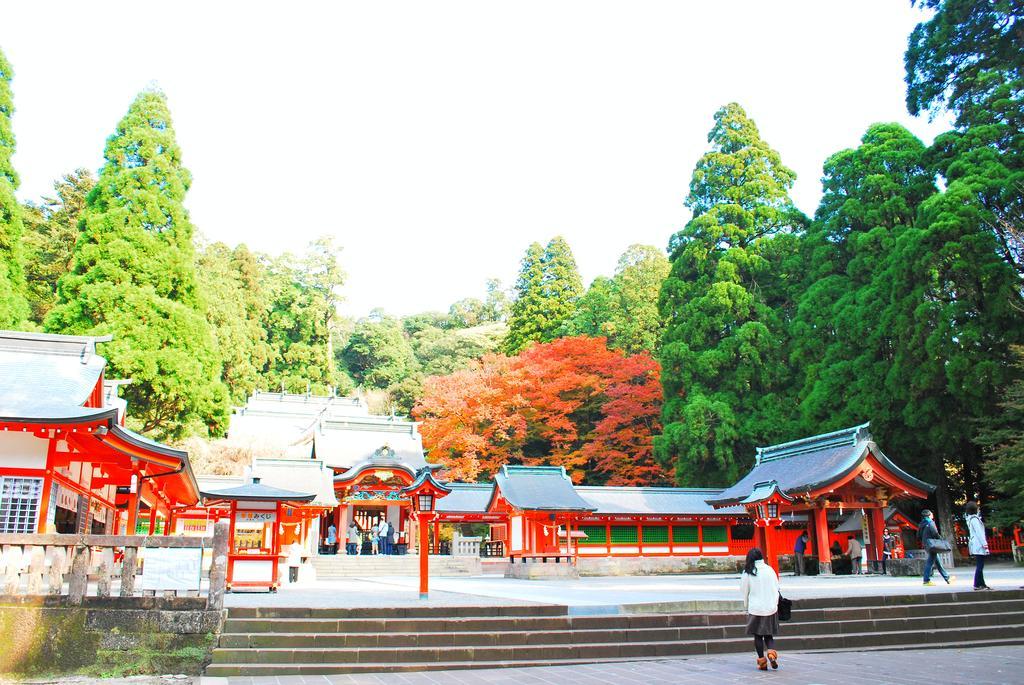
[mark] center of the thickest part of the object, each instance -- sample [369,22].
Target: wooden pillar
[152,517]
[424,555]
[821,540]
[275,544]
[169,522]
[671,545]
[877,525]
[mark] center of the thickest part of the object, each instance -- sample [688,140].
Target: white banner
[172,569]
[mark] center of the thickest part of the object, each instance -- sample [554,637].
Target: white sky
[436,140]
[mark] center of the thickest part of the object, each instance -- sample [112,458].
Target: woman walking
[977,544]
[759,586]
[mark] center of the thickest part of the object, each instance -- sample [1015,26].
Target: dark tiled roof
[539,488]
[259,492]
[47,376]
[811,463]
[466,498]
[666,501]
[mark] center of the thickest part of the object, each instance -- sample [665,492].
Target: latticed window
[715,534]
[685,534]
[655,534]
[596,535]
[624,535]
[19,504]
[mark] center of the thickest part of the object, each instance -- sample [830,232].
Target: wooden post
[79,581]
[128,571]
[877,526]
[424,554]
[219,567]
[821,541]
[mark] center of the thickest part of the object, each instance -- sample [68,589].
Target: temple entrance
[367,517]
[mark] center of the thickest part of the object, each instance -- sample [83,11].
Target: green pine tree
[133,275]
[14,308]
[51,230]
[546,295]
[725,381]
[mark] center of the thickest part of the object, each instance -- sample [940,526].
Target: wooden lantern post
[424,493]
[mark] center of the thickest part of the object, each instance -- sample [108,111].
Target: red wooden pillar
[877,525]
[152,517]
[424,554]
[275,544]
[821,541]
[671,545]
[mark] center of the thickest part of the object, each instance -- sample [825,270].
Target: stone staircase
[269,641]
[330,567]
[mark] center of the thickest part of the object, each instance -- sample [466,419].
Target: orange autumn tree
[571,402]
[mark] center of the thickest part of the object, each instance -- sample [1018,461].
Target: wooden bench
[542,558]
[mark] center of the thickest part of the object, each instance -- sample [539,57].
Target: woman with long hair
[977,544]
[759,585]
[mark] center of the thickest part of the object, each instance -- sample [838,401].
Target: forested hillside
[899,301]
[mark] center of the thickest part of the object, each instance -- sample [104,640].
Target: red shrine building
[67,462]
[321,465]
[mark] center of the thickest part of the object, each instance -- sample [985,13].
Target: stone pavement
[598,594]
[980,666]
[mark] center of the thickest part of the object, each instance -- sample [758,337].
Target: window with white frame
[19,504]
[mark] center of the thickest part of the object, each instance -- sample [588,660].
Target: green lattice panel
[715,534]
[596,535]
[624,535]
[686,534]
[655,534]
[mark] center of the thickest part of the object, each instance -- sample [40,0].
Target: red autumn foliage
[571,402]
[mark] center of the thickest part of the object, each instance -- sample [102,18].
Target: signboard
[255,516]
[172,568]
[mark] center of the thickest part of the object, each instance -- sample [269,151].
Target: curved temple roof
[812,463]
[538,488]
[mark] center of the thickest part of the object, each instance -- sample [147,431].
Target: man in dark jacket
[927,531]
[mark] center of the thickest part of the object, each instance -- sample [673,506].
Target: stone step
[554,637]
[486,621]
[399,612]
[605,653]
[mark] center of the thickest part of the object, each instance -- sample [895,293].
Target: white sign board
[255,516]
[172,569]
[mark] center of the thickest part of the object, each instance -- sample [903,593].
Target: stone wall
[651,566]
[111,636]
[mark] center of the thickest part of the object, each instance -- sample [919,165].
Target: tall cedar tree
[724,376]
[547,291]
[968,59]
[871,195]
[302,297]
[624,308]
[51,229]
[965,59]
[571,402]
[1002,437]
[14,310]
[236,309]
[133,276]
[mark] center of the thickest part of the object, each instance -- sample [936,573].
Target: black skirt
[763,625]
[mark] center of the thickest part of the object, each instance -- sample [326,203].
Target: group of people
[382,534]
[759,583]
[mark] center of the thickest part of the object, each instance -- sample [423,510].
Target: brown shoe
[762,663]
[773,657]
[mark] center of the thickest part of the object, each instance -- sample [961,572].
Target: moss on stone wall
[104,641]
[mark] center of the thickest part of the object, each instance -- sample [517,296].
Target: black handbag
[785,608]
[938,545]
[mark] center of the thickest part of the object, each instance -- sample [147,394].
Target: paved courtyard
[600,594]
[981,666]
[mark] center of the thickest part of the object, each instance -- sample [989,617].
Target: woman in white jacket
[759,586]
[977,544]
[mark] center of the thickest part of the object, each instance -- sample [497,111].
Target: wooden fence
[74,565]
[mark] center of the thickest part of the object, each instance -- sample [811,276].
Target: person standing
[854,551]
[382,536]
[926,531]
[799,549]
[977,544]
[759,586]
[352,548]
[332,539]
[888,542]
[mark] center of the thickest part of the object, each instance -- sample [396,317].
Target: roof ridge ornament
[840,438]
